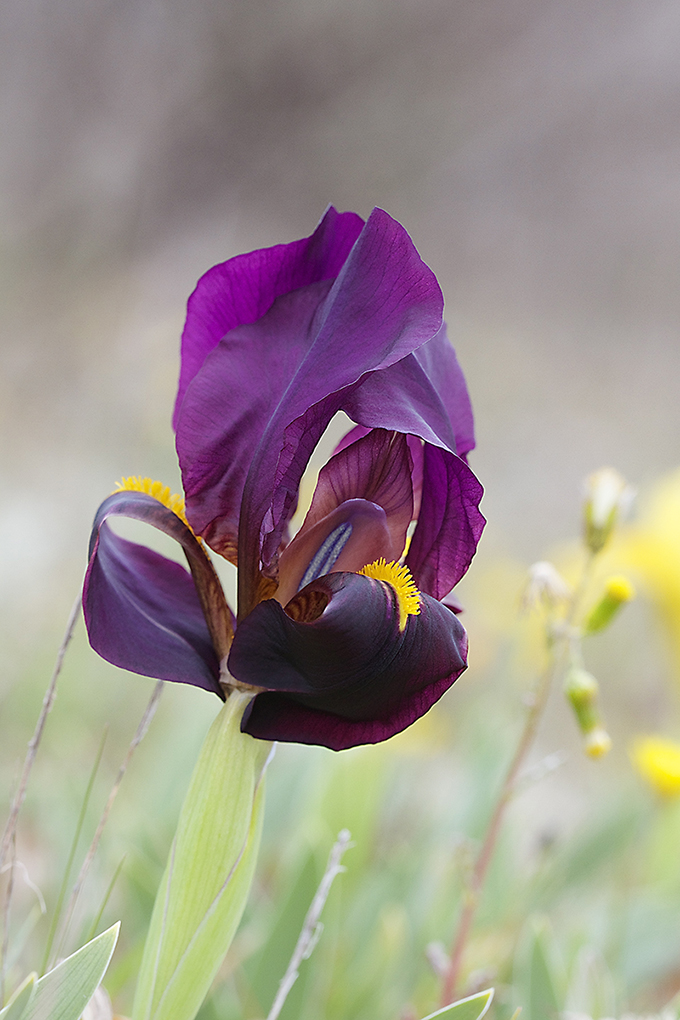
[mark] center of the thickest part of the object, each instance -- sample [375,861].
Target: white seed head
[545,586]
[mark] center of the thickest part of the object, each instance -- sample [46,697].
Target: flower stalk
[205,886]
[563,639]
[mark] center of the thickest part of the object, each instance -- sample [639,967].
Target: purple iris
[341,632]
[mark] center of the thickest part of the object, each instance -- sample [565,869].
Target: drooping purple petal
[146,613]
[406,398]
[339,669]
[439,362]
[242,290]
[449,523]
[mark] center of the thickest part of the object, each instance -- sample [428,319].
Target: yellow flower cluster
[657,759]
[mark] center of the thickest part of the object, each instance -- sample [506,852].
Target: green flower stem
[208,876]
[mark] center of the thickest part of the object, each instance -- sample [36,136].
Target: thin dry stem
[311,929]
[144,724]
[540,696]
[34,743]
[5,923]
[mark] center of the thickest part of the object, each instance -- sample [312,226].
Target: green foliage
[64,992]
[17,1005]
[583,845]
[537,979]
[474,1007]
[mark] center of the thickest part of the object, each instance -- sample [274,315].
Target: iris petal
[383,304]
[312,550]
[227,408]
[344,673]
[377,468]
[449,523]
[146,613]
[243,289]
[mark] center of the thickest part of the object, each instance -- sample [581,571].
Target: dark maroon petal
[449,523]
[342,671]
[146,613]
[243,289]
[353,534]
[273,716]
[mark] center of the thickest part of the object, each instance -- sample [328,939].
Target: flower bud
[618,590]
[581,689]
[597,743]
[607,493]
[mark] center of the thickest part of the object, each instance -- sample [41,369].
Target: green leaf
[16,1006]
[472,1008]
[64,992]
[591,988]
[208,876]
[538,978]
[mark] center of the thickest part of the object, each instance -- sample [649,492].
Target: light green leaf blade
[473,1007]
[64,992]
[537,976]
[16,1006]
[208,876]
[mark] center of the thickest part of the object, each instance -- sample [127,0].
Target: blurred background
[531,149]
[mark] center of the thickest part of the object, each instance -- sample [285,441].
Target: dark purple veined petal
[146,613]
[446,504]
[384,304]
[353,534]
[375,470]
[339,671]
[242,290]
[449,523]
[376,467]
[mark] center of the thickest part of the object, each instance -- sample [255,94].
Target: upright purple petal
[229,404]
[384,304]
[340,670]
[243,289]
[449,523]
[143,612]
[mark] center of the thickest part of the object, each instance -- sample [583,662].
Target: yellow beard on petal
[173,501]
[399,578]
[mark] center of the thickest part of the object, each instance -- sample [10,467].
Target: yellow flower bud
[597,743]
[618,590]
[581,689]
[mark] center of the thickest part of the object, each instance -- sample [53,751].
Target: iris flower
[342,634]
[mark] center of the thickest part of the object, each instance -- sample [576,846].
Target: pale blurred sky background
[530,147]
